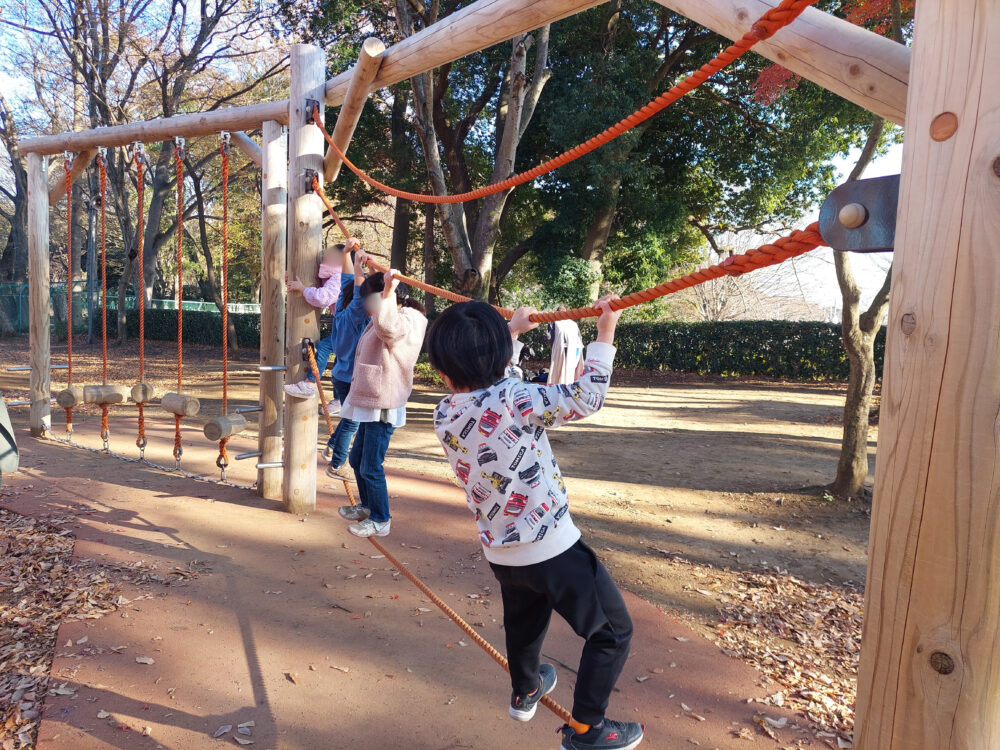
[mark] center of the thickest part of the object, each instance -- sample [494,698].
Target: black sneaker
[523,707]
[610,735]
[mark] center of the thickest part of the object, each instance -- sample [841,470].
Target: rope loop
[223,460]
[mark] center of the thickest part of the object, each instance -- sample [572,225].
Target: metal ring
[222,462]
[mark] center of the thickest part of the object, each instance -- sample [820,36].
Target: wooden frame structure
[930,671]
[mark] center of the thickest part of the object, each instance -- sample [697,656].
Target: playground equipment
[929,668]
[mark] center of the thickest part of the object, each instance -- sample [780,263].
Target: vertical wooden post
[305,242]
[40,418]
[274,208]
[930,664]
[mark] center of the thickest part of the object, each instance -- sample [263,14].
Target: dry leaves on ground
[807,637]
[41,587]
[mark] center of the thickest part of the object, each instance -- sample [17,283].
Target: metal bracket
[311,105]
[310,175]
[860,216]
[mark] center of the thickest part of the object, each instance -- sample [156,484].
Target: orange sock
[580,728]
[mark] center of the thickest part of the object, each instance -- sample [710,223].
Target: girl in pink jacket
[380,387]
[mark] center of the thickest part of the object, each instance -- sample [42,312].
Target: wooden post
[354,101]
[81,161]
[245,144]
[930,666]
[305,242]
[274,192]
[38,294]
[861,66]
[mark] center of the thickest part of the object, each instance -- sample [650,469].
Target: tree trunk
[595,242]
[400,234]
[429,299]
[858,333]
[852,467]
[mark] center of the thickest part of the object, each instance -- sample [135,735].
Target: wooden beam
[930,666]
[481,24]
[246,144]
[40,418]
[58,181]
[305,243]
[274,192]
[860,66]
[162,129]
[477,26]
[354,102]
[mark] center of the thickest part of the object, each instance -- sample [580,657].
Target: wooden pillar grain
[40,417]
[274,192]
[362,76]
[305,242]
[930,664]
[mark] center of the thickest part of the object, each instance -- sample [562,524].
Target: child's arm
[555,405]
[326,295]
[390,326]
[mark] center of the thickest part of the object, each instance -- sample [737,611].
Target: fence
[14,304]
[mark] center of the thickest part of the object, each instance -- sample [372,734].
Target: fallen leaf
[222,730]
[144,660]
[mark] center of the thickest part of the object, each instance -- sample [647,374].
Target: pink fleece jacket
[386,353]
[325,295]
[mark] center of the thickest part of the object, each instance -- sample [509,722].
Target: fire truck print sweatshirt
[495,441]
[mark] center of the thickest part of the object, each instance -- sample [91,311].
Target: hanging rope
[773,20]
[799,242]
[139,155]
[68,167]
[223,460]
[179,168]
[102,171]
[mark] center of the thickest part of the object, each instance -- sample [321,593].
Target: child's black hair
[471,344]
[376,283]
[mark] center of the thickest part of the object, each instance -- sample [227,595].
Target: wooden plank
[274,192]
[930,667]
[354,102]
[477,26]
[40,417]
[305,243]
[246,144]
[162,129]
[865,68]
[81,161]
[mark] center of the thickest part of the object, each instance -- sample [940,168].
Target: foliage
[199,327]
[771,349]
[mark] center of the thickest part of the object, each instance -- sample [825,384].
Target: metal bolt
[942,663]
[908,324]
[853,215]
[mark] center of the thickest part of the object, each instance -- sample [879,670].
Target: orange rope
[179,168]
[105,429]
[223,460]
[224,148]
[319,387]
[140,161]
[799,242]
[773,20]
[456,618]
[102,169]
[67,166]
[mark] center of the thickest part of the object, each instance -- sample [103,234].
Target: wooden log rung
[222,427]
[180,404]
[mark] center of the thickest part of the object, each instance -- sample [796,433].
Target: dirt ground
[692,490]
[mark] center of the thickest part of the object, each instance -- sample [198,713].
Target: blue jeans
[340,442]
[324,348]
[367,458]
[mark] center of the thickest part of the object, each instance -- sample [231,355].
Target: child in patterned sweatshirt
[493,432]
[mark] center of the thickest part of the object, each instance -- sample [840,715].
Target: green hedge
[758,348]
[199,327]
[770,349]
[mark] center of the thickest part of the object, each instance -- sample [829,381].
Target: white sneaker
[368,527]
[302,389]
[333,407]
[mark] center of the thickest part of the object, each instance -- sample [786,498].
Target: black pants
[578,587]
